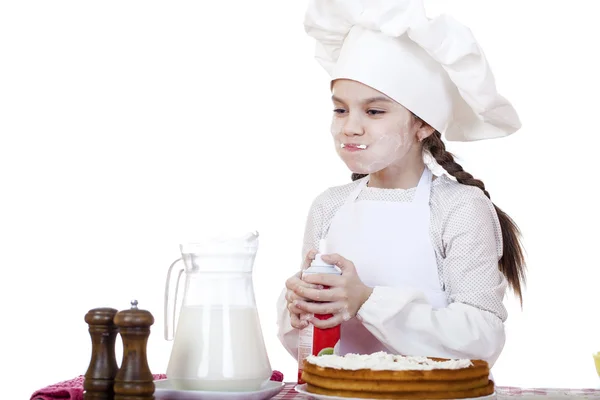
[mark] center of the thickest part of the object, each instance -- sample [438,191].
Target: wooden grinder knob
[134,381]
[99,378]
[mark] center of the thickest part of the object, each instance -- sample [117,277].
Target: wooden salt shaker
[134,381]
[99,378]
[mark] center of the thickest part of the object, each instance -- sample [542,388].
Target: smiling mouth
[353,146]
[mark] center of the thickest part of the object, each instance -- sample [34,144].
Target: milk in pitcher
[223,345]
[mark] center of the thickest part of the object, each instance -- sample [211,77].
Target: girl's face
[370,130]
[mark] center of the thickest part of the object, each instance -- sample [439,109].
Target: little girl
[425,259]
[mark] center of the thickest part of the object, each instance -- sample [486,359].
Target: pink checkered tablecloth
[503,392]
[73,390]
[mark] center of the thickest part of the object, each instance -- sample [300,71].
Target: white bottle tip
[322,246]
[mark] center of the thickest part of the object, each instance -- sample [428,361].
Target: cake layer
[393,386]
[456,394]
[478,369]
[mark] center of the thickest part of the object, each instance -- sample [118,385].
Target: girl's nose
[353,126]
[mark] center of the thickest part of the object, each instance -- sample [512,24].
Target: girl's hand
[295,289]
[343,299]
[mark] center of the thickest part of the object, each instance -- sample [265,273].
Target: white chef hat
[433,67]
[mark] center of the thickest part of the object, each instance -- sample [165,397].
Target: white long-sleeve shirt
[467,240]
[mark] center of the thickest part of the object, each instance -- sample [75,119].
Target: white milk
[218,348]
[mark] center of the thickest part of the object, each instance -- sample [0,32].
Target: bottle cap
[318,261]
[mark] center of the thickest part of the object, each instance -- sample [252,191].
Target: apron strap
[354,194]
[350,199]
[423,188]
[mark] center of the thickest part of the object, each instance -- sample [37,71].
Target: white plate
[165,391]
[302,389]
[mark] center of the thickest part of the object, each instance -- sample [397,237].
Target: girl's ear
[424,130]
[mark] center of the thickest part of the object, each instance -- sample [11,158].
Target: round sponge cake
[387,376]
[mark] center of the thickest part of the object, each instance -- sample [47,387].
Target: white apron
[389,244]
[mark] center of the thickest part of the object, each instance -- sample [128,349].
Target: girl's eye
[375,112]
[339,111]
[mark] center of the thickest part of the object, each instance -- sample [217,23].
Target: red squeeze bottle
[312,340]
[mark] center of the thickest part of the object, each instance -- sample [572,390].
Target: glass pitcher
[218,343]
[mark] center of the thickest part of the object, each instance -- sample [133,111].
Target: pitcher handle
[170,308]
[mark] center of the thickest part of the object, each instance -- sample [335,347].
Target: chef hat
[433,67]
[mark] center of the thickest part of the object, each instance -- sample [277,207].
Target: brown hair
[512,263]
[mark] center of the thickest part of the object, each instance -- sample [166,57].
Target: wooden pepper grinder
[134,381]
[99,378]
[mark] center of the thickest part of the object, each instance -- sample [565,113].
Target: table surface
[502,392]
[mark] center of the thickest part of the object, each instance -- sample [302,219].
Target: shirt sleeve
[406,323]
[315,222]
[472,245]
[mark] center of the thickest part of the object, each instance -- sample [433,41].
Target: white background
[127,127]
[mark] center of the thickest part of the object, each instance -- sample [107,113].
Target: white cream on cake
[384,361]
